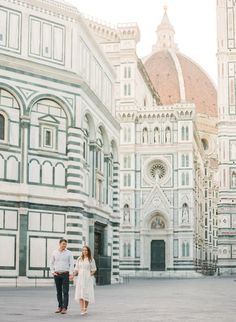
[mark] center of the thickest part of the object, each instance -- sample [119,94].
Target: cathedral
[226,13]
[108,149]
[167,108]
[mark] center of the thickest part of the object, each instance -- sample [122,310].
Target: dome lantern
[165,34]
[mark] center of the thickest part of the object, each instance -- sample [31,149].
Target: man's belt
[60,273]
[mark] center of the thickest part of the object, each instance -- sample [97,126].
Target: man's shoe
[63,311]
[58,310]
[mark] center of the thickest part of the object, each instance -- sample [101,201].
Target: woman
[85,268]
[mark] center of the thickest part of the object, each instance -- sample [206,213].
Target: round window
[157,169]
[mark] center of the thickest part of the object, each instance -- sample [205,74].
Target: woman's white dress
[85,282]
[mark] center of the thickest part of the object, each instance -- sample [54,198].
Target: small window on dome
[205,144]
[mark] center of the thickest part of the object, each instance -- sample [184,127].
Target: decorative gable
[48,119]
[156,201]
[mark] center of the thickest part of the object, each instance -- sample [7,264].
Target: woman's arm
[93,267]
[76,270]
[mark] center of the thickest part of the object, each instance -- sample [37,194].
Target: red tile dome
[166,69]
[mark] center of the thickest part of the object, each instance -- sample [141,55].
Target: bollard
[35,281]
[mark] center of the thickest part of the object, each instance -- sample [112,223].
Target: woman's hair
[89,253]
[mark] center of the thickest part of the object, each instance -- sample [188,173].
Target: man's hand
[54,274]
[71,277]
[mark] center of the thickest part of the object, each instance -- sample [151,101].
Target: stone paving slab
[159,300]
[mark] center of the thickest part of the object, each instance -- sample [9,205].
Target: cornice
[50,7]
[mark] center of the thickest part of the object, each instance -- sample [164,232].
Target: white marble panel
[1,218]
[46,222]
[47,40]
[58,44]
[35,37]
[52,244]
[59,223]
[34,171]
[10,219]
[47,173]
[224,221]
[12,169]
[34,221]
[3,27]
[37,252]
[7,255]
[59,175]
[14,41]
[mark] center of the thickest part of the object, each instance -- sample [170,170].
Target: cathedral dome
[176,77]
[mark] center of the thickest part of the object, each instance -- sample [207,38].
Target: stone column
[23,251]
[25,125]
[116,191]
[75,166]
[93,169]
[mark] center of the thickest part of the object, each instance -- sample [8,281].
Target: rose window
[157,170]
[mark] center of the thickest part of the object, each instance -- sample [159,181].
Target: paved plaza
[204,299]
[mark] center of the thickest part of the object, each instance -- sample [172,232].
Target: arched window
[127,162]
[84,150]
[129,89]
[129,134]
[2,127]
[125,90]
[187,179]
[182,133]
[129,250]
[127,180]
[86,132]
[125,250]
[187,133]
[129,72]
[187,161]
[185,249]
[125,134]
[125,72]
[144,101]
[183,179]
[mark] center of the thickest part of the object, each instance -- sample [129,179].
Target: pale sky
[194,22]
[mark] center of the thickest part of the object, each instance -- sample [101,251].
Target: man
[62,266]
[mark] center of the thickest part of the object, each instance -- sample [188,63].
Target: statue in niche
[233,150]
[167,135]
[157,223]
[145,135]
[126,217]
[185,214]
[156,136]
[233,179]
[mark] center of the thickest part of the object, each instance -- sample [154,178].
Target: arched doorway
[158,244]
[158,262]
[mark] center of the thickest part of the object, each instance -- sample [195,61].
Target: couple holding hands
[63,270]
